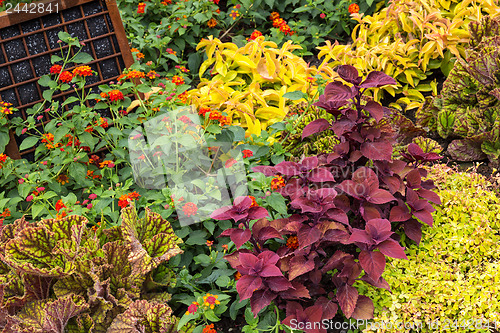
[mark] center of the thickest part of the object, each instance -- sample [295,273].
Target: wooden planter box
[28,39]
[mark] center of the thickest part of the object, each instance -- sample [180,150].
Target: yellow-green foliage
[248,83]
[407,40]
[454,275]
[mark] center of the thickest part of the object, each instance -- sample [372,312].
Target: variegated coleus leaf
[50,316]
[50,248]
[151,238]
[145,317]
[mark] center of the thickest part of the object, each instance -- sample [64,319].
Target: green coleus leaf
[152,238]
[50,248]
[152,317]
[47,316]
[446,119]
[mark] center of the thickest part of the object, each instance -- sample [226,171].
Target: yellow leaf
[220,66]
[270,112]
[271,67]
[207,63]
[244,61]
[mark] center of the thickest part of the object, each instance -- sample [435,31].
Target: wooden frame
[28,40]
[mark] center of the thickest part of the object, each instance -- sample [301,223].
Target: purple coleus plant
[345,208]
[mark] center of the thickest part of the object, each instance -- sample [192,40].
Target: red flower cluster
[3,158]
[209,328]
[278,22]
[255,34]
[6,213]
[190,209]
[353,8]
[247,153]
[55,69]
[141,7]
[60,205]
[5,108]
[292,242]
[178,80]
[65,77]
[126,199]
[115,95]
[83,71]
[277,182]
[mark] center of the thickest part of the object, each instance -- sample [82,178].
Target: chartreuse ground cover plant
[411,41]
[467,110]
[452,276]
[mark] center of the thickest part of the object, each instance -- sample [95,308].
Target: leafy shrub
[249,83]
[469,105]
[58,275]
[409,40]
[340,202]
[452,276]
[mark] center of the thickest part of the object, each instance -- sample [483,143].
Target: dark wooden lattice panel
[28,40]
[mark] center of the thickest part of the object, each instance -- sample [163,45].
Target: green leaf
[249,318]
[197,237]
[28,142]
[69,100]
[82,58]
[214,129]
[301,9]
[277,202]
[54,59]
[44,81]
[294,95]
[77,171]
[47,94]
[210,315]
[36,210]
[4,140]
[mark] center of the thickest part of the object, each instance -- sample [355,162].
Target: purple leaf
[306,205]
[413,179]
[308,236]
[335,261]
[278,283]
[316,126]
[392,249]
[429,195]
[265,169]
[320,175]
[298,291]
[288,168]
[299,265]
[380,283]
[399,213]
[338,215]
[381,150]
[260,299]
[246,286]
[257,213]
[268,233]
[342,126]
[240,237]
[373,263]
[413,229]
[347,296]
[270,271]
[424,216]
[329,307]
[337,91]
[377,79]
[360,236]
[222,213]
[349,73]
[364,308]
[375,109]
[379,229]
[380,197]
